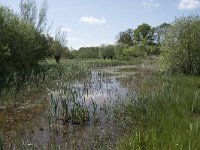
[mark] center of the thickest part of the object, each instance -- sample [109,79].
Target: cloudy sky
[93,22]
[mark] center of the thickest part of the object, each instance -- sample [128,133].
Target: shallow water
[42,126]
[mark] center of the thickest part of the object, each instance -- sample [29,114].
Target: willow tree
[30,14]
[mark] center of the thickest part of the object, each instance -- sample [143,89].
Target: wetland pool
[79,114]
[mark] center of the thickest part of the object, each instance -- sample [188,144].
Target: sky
[96,22]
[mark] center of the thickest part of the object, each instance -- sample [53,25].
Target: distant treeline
[177,45]
[141,42]
[25,42]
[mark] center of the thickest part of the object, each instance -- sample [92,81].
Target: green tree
[107,51]
[161,32]
[58,45]
[125,37]
[31,15]
[88,52]
[21,45]
[181,48]
[144,34]
[119,50]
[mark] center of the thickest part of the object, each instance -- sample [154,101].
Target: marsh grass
[1,141]
[21,90]
[22,82]
[168,118]
[163,112]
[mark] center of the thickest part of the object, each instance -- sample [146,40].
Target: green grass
[168,119]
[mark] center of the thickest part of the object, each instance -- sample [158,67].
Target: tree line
[141,42]
[176,45]
[25,42]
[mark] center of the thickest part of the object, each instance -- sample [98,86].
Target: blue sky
[94,22]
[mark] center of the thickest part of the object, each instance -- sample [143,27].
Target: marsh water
[44,126]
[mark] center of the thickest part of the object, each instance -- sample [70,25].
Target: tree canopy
[144,33]
[21,44]
[125,37]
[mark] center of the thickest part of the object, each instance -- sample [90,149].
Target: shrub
[134,52]
[181,49]
[21,45]
[107,52]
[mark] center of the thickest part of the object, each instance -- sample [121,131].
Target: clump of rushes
[65,105]
[79,114]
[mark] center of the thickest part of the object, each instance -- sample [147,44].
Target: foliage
[161,32]
[119,48]
[29,13]
[143,41]
[21,45]
[181,49]
[102,52]
[133,52]
[88,53]
[144,34]
[107,51]
[142,50]
[126,37]
[59,44]
[67,53]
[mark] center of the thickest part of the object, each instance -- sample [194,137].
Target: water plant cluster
[19,83]
[70,96]
[80,101]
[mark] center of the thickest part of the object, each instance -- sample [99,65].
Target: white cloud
[66,30]
[93,20]
[151,4]
[189,4]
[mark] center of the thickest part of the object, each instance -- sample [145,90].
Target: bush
[181,49]
[134,52]
[21,45]
[107,52]
[88,53]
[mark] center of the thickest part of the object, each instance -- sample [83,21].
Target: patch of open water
[102,87]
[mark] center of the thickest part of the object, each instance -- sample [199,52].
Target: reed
[168,118]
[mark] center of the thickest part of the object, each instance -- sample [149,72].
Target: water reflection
[47,128]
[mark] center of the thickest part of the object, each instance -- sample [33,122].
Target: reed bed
[66,108]
[168,118]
